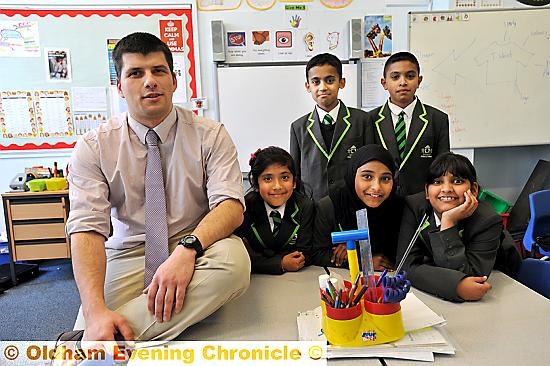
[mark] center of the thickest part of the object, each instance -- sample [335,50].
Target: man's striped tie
[156,224]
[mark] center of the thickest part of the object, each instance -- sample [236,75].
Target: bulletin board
[42,103]
[489,70]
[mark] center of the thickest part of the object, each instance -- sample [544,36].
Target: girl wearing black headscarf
[369,183]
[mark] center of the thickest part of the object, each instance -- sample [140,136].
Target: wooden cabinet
[35,223]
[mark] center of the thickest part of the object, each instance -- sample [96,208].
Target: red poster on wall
[171,34]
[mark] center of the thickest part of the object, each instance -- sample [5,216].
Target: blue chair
[535,274]
[538,230]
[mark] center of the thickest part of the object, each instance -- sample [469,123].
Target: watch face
[192,242]
[189,240]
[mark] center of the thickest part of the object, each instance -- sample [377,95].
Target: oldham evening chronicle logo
[236,39]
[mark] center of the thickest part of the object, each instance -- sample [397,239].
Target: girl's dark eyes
[455,181]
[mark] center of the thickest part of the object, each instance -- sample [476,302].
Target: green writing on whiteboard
[295,7]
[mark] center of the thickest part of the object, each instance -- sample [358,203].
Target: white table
[510,326]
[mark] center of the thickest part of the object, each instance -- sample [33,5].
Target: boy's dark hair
[456,164]
[263,158]
[401,56]
[142,43]
[324,59]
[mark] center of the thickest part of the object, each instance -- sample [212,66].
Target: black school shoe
[68,349]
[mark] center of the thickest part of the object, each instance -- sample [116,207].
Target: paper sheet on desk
[422,339]
[417,315]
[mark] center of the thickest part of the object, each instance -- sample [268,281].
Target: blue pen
[381,277]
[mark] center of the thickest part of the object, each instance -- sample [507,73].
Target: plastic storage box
[501,206]
[37,185]
[56,184]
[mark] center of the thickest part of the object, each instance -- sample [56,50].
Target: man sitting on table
[125,289]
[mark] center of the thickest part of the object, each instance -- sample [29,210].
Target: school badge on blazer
[351,151]
[426,152]
[293,240]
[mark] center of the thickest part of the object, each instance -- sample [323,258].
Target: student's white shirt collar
[333,113]
[268,209]
[437,220]
[395,110]
[162,129]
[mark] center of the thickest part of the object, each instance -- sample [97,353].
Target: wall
[506,180]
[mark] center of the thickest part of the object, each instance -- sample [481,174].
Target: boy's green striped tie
[327,120]
[401,135]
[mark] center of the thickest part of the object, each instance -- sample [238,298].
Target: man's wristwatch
[192,242]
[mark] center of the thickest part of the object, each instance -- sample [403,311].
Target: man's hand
[103,324]
[339,254]
[292,262]
[166,293]
[473,288]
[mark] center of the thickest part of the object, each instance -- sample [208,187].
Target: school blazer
[439,260]
[428,137]
[322,168]
[265,250]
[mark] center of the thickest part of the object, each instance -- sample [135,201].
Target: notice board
[489,70]
[57,80]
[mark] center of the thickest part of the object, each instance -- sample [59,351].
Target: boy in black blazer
[426,129]
[323,140]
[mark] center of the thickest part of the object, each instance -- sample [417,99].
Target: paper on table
[417,315]
[359,352]
[309,325]
[432,339]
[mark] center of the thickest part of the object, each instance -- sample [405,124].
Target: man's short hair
[142,43]
[401,56]
[324,59]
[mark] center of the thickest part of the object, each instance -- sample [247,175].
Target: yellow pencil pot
[366,324]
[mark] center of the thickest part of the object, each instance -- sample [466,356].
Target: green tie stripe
[276,217]
[400,135]
[327,120]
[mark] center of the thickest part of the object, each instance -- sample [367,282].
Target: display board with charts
[58,80]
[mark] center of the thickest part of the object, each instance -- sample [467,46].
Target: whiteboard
[489,70]
[257,104]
